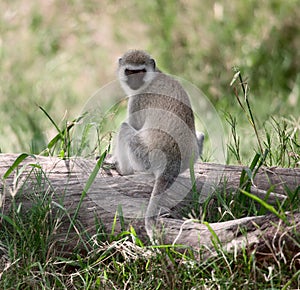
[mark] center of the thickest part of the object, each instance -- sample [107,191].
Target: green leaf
[121,217]
[51,120]
[264,204]
[10,221]
[255,161]
[114,224]
[16,163]
[90,181]
[54,140]
[215,238]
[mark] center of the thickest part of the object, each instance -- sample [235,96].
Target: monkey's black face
[135,78]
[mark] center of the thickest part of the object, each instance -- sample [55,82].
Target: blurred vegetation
[56,54]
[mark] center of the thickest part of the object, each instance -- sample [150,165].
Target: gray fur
[159,134]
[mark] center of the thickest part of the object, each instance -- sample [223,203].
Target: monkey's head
[136,70]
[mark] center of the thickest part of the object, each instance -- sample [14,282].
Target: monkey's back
[164,118]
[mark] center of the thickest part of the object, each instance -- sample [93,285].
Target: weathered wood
[64,181]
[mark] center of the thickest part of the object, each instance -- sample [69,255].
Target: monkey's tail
[155,206]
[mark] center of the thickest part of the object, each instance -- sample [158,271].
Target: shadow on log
[64,181]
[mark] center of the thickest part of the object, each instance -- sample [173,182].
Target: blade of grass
[247,174]
[264,204]
[86,189]
[294,277]
[10,221]
[16,163]
[192,176]
[90,182]
[135,238]
[121,217]
[51,120]
[215,239]
[248,112]
[112,232]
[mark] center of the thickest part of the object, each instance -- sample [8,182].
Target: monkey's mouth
[135,78]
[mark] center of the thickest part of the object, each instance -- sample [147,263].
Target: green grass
[53,57]
[121,260]
[29,260]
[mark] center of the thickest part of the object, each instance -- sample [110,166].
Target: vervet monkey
[159,134]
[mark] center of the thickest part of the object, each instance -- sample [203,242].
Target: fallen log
[64,181]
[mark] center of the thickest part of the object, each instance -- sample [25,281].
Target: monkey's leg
[140,152]
[122,149]
[148,154]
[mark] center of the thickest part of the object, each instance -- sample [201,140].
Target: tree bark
[64,181]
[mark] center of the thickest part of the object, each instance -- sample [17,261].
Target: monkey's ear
[120,60]
[152,62]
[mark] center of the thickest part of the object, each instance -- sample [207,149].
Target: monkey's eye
[134,71]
